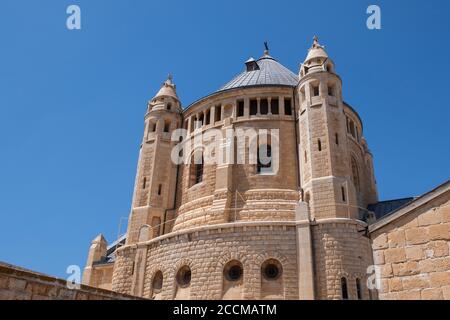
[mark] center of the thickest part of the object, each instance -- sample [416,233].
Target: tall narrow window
[167,126]
[352,128]
[358,289]
[336,137]
[144,183]
[253,107]
[152,127]
[315,90]
[331,91]
[196,170]
[201,120]
[274,106]
[207,117]
[240,108]
[344,198]
[287,107]
[344,288]
[355,174]
[218,114]
[264,106]
[306,157]
[159,189]
[319,145]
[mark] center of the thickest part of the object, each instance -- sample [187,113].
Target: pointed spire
[99,239]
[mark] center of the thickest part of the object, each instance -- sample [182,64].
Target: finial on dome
[169,80]
[266,46]
[316,43]
[316,50]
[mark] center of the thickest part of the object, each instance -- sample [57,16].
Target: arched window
[197,167]
[169,106]
[344,288]
[184,277]
[358,289]
[264,164]
[355,174]
[157,284]
[166,126]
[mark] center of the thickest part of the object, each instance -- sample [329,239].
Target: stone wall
[341,251]
[20,284]
[413,253]
[206,252]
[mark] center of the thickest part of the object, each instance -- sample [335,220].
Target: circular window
[233,271]
[184,277]
[271,269]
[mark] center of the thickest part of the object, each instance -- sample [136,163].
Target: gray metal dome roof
[265,71]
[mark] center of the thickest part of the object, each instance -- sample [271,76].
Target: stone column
[304,253]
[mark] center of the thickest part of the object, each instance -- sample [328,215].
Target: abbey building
[306,224]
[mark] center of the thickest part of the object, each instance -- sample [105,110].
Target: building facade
[293,227]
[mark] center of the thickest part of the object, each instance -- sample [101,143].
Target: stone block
[380,242]
[414,253]
[395,285]
[440,232]
[17,284]
[417,236]
[415,282]
[405,269]
[428,218]
[432,294]
[396,239]
[436,249]
[439,279]
[395,255]
[409,295]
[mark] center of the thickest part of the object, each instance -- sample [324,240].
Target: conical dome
[168,89]
[316,51]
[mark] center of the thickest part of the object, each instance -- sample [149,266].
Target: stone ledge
[22,284]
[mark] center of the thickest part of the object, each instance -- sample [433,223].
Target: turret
[97,252]
[333,179]
[154,191]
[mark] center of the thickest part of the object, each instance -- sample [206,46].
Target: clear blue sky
[72,102]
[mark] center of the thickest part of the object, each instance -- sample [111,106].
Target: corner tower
[335,179]
[155,186]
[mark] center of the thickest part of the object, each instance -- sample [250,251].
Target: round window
[271,269]
[184,277]
[233,271]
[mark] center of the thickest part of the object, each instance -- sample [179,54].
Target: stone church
[314,228]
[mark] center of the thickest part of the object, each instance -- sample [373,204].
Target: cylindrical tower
[332,164]
[155,186]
